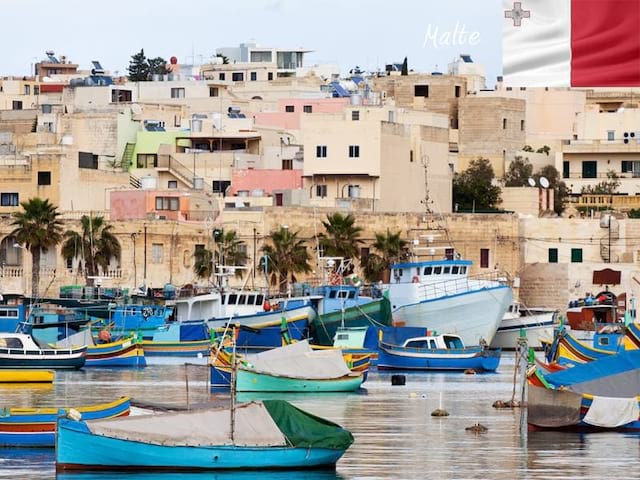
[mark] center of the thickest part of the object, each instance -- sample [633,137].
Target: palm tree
[229,250]
[286,256]
[342,237]
[390,248]
[96,245]
[38,228]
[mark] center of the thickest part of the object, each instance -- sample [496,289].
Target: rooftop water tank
[148,182]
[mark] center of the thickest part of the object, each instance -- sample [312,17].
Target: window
[44,178]
[221,76]
[118,95]
[428,270]
[448,254]
[237,77]
[156,253]
[87,160]
[522,125]
[457,90]
[9,200]
[364,253]
[27,89]
[576,255]
[421,91]
[355,115]
[270,76]
[36,90]
[307,109]
[565,169]
[167,203]
[47,127]
[253,76]
[147,160]
[177,92]
[354,191]
[287,164]
[354,151]
[611,135]
[220,186]
[484,258]
[504,123]
[46,108]
[553,255]
[590,169]
[16,105]
[289,108]
[632,167]
[321,151]
[321,191]
[411,155]
[172,184]
[213,91]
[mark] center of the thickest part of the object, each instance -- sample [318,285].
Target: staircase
[127,156]
[608,241]
[134,181]
[180,171]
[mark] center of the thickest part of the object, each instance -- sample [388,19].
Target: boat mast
[232,392]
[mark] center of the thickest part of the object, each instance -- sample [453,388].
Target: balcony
[601,146]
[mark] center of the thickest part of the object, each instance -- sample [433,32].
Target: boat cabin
[433,342]
[10,317]
[430,271]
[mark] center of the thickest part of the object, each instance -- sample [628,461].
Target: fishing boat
[36,427]
[181,339]
[441,296]
[587,316]
[566,349]
[536,324]
[271,434]
[20,350]
[411,348]
[27,376]
[596,396]
[292,368]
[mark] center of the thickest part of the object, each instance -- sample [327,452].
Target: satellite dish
[544,183]
[532,182]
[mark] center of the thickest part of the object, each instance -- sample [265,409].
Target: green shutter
[576,255]
[553,255]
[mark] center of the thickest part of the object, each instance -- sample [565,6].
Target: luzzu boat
[36,427]
[408,348]
[181,339]
[272,434]
[121,352]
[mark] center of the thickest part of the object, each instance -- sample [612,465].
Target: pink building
[160,204]
[289,111]
[249,180]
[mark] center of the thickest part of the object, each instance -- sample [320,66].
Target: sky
[366,33]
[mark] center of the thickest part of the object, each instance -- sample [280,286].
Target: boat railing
[460,285]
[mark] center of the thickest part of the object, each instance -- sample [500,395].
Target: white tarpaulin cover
[79,339]
[253,427]
[612,412]
[299,360]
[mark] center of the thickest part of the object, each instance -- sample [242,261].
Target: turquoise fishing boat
[272,434]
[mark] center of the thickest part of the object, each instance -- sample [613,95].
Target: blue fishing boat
[178,339]
[36,427]
[596,396]
[410,348]
[272,434]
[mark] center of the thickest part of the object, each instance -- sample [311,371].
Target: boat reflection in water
[235,475]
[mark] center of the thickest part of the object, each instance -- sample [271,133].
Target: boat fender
[74,414]
[266,306]
[415,279]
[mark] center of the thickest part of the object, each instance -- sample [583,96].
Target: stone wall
[545,285]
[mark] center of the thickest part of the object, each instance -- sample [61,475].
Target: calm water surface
[396,437]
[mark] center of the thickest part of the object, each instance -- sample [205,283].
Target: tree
[158,66]
[473,188]
[229,250]
[95,245]
[405,68]
[138,67]
[342,237]
[520,170]
[527,148]
[286,256]
[560,190]
[605,187]
[388,248]
[225,59]
[38,227]
[545,149]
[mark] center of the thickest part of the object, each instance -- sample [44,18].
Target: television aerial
[531,181]
[544,183]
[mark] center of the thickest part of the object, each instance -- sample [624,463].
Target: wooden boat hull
[127,352]
[27,376]
[35,360]
[249,381]
[105,453]
[176,349]
[36,427]
[471,358]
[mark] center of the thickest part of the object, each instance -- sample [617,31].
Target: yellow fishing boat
[26,376]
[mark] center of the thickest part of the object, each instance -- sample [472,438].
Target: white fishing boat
[535,323]
[441,296]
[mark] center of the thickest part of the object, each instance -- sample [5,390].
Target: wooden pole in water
[186,381]
[523,350]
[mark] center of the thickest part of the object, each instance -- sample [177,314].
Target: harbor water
[395,435]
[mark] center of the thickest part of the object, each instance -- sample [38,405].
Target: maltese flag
[571,43]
